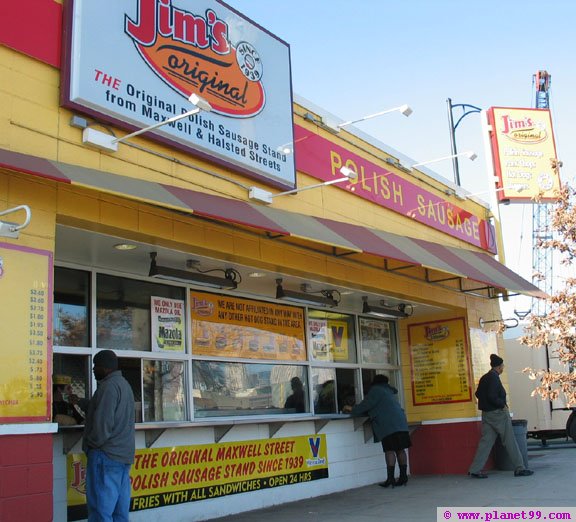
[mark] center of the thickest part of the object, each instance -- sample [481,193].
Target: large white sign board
[136,62]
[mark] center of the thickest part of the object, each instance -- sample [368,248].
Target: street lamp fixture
[466,110]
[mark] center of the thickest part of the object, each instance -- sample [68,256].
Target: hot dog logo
[525,130]
[193,53]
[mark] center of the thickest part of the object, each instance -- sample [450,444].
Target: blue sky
[358,58]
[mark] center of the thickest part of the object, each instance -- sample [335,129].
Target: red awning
[459,262]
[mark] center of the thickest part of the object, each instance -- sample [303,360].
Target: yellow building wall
[32,122]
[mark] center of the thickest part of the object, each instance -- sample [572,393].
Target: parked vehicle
[546,419]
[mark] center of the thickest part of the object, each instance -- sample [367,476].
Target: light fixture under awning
[459,262]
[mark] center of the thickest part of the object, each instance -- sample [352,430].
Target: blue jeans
[107,488]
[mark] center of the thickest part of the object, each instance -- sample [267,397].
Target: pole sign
[524,155]
[134,63]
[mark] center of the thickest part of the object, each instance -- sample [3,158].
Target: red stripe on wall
[33,27]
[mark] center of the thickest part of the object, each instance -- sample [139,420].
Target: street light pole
[466,109]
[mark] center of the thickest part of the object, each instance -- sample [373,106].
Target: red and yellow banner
[26,308]
[524,154]
[168,476]
[322,159]
[439,362]
[228,326]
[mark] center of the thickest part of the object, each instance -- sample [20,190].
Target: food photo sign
[134,63]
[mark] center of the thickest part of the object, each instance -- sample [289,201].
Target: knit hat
[106,359]
[495,360]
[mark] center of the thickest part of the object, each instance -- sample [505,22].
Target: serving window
[191,355]
[222,389]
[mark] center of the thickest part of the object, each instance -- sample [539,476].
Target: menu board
[25,351]
[439,362]
[228,326]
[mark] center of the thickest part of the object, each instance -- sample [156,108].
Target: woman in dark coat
[389,426]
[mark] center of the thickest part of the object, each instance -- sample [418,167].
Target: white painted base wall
[352,463]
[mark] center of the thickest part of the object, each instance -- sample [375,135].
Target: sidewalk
[551,485]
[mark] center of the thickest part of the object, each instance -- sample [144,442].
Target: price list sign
[439,362]
[25,350]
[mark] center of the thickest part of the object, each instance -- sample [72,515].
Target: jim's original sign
[136,62]
[524,154]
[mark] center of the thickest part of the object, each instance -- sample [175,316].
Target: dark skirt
[396,441]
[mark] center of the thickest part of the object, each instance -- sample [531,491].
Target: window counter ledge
[153,430]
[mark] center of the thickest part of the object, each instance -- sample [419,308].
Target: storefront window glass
[123,311]
[332,336]
[222,389]
[247,356]
[377,341]
[131,369]
[164,390]
[71,310]
[70,388]
[324,383]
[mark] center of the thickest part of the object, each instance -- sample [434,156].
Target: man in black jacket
[109,442]
[491,397]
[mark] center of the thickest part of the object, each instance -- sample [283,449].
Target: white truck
[546,419]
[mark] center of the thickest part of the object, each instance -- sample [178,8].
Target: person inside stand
[109,442]
[389,425]
[297,400]
[326,401]
[67,408]
[491,397]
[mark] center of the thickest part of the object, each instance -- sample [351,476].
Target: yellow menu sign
[233,327]
[25,297]
[439,362]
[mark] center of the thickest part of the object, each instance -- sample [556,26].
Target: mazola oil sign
[135,63]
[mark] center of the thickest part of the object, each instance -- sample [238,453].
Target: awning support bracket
[151,436]
[405,267]
[430,280]
[274,427]
[336,254]
[220,431]
[319,424]
[271,236]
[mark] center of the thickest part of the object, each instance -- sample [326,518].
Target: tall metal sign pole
[542,259]
[466,109]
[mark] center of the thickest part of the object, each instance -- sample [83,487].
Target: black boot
[390,480]
[403,478]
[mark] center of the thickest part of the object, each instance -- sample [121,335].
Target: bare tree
[557,329]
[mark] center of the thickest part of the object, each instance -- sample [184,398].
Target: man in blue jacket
[491,397]
[109,442]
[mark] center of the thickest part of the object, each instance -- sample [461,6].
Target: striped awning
[458,262]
